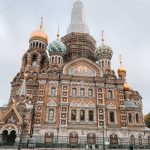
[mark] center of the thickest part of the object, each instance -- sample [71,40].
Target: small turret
[104,54]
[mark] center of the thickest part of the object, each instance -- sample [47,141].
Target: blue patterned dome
[104,51]
[57,46]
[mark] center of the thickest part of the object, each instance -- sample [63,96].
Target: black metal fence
[81,143]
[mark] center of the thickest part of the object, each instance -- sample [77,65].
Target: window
[130,117]
[82,92]
[74,92]
[112,116]
[73,115]
[137,117]
[90,92]
[52,60]
[51,115]
[132,140]
[91,115]
[82,115]
[110,94]
[53,91]
[102,63]
[34,60]
[140,140]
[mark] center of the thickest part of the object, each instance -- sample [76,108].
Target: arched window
[33,44]
[110,94]
[56,61]
[53,91]
[91,115]
[74,92]
[49,138]
[137,118]
[37,44]
[73,138]
[40,45]
[132,139]
[82,115]
[91,138]
[42,62]
[90,92]
[52,60]
[34,59]
[82,92]
[130,118]
[59,60]
[140,140]
[102,63]
[113,139]
[112,116]
[73,115]
[51,115]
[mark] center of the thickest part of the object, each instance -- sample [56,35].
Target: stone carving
[82,71]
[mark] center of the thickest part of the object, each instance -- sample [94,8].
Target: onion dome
[39,34]
[57,47]
[103,51]
[121,70]
[126,87]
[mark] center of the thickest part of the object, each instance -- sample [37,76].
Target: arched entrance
[91,138]
[8,139]
[4,137]
[49,138]
[113,139]
[73,138]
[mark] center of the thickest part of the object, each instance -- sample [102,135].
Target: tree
[147,120]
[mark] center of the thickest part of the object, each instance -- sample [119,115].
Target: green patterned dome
[57,46]
[104,51]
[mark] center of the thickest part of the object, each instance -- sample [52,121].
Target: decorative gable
[111,106]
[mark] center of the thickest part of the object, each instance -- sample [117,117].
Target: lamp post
[21,135]
[103,138]
[31,141]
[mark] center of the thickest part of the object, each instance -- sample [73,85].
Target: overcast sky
[126,25]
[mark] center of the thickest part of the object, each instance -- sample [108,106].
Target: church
[67,92]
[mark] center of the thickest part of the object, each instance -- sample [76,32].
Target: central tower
[78,19]
[78,41]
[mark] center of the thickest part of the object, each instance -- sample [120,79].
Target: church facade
[75,94]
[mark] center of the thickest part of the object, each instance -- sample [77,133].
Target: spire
[102,35]
[58,33]
[22,91]
[78,20]
[120,58]
[41,25]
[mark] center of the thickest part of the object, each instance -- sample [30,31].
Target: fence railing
[64,142]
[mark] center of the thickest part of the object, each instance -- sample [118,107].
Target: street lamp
[22,128]
[103,138]
[31,141]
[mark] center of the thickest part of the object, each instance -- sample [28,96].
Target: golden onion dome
[39,34]
[121,69]
[126,87]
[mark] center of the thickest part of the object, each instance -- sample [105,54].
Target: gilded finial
[58,33]
[41,25]
[102,35]
[120,59]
